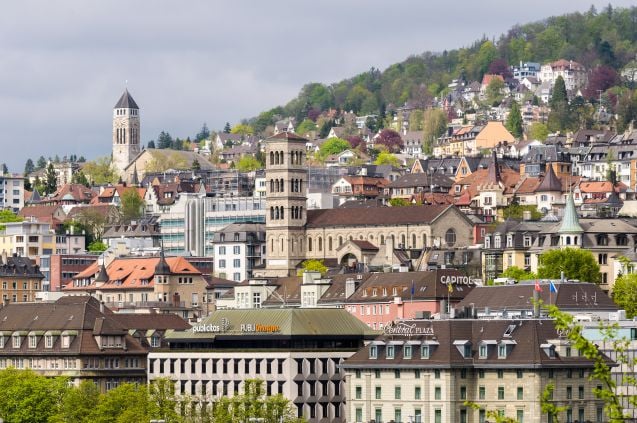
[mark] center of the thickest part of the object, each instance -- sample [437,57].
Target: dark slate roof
[570,296]
[524,339]
[422,180]
[373,216]
[550,181]
[16,267]
[126,101]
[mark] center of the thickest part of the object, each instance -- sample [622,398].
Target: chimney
[536,304]
[101,306]
[350,287]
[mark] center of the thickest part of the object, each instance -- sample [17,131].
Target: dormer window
[155,341]
[33,341]
[390,352]
[2,341]
[497,242]
[502,351]
[407,351]
[373,351]
[464,347]
[504,347]
[549,350]
[16,340]
[487,242]
[425,351]
[48,341]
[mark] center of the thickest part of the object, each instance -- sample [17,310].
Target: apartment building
[11,192]
[20,278]
[238,249]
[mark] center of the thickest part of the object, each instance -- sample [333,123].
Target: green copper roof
[277,322]
[570,222]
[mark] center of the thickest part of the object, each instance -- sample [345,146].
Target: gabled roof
[373,216]
[287,136]
[126,102]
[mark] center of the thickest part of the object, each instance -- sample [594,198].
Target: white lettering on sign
[406,329]
[206,328]
[457,280]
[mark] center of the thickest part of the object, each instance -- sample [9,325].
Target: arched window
[282,185]
[403,241]
[276,184]
[276,157]
[272,245]
[282,213]
[281,244]
[309,244]
[382,240]
[301,212]
[450,237]
[340,241]
[568,240]
[271,185]
[300,185]
[271,157]
[281,158]
[413,241]
[276,213]
[575,240]
[329,243]
[320,244]
[424,240]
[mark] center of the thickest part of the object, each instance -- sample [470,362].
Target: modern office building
[297,352]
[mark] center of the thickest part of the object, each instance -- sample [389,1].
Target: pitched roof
[570,222]
[550,182]
[373,216]
[287,136]
[126,101]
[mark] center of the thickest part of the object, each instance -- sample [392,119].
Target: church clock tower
[286,203]
[125,133]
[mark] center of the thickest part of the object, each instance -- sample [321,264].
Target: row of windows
[278,157]
[278,185]
[236,263]
[25,285]
[235,250]
[200,366]
[464,373]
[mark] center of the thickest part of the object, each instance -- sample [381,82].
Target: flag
[413,288]
[552,287]
[450,288]
[538,288]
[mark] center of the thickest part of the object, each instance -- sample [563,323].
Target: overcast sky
[63,64]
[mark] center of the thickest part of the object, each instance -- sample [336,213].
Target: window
[396,374]
[222,250]
[569,392]
[48,341]
[377,374]
[580,392]
[424,351]
[359,414]
[481,373]
[407,351]
[390,351]
[437,393]
[502,351]
[450,237]
[500,373]
[17,341]
[373,351]
[483,351]
[397,392]
[398,415]
[236,263]
[378,392]
[463,392]
[416,374]
[222,264]
[519,415]
[436,374]
[520,393]
[378,414]
[33,341]
[481,392]
[500,392]
[236,249]
[359,392]
[417,392]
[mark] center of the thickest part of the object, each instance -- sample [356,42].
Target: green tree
[97,247]
[516,211]
[254,404]
[28,397]
[313,265]
[242,129]
[514,120]
[100,171]
[248,163]
[574,262]
[386,158]
[195,165]
[514,272]
[537,131]
[162,401]
[78,404]
[625,294]
[51,180]
[80,178]
[164,140]
[131,205]
[203,134]
[227,128]
[306,126]
[416,120]
[560,116]
[41,163]
[332,146]
[124,404]
[29,167]
[434,125]
[399,202]
[495,92]
[7,216]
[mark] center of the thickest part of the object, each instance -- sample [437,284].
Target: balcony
[145,304]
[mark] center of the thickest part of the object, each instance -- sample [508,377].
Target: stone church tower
[125,133]
[286,203]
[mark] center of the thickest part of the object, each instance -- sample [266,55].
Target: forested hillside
[605,39]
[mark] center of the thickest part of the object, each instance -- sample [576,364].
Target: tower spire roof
[570,221]
[126,101]
[550,182]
